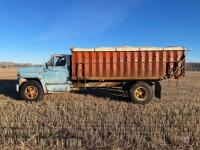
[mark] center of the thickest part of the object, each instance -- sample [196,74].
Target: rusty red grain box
[126,63]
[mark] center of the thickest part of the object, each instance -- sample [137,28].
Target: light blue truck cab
[53,77]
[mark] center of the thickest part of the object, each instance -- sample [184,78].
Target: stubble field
[101,118]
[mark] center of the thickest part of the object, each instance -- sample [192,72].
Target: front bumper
[17,88]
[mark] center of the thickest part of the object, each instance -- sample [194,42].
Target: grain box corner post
[134,69]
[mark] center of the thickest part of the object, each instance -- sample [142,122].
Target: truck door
[56,71]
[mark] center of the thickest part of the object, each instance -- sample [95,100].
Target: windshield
[51,62]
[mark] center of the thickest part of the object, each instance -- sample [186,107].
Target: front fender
[22,80]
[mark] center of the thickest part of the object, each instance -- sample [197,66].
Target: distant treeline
[193,66]
[189,66]
[11,64]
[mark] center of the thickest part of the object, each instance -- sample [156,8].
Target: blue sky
[31,30]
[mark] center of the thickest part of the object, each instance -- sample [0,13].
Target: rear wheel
[31,91]
[141,93]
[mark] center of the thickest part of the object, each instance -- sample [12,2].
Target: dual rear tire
[141,93]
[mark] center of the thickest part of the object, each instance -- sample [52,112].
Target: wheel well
[131,83]
[31,79]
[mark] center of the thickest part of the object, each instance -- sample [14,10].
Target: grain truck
[135,70]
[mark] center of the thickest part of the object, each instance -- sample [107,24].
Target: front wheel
[31,91]
[141,93]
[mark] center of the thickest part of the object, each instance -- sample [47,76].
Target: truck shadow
[7,88]
[111,94]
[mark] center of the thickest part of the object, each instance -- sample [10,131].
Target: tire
[141,93]
[31,91]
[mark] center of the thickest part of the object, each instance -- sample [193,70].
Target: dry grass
[8,73]
[101,119]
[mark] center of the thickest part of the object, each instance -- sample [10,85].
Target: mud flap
[158,90]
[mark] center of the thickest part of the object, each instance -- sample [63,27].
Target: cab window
[60,61]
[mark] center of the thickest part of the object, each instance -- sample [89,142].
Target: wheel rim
[31,92]
[141,93]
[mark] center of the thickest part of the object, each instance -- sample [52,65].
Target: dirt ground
[101,118]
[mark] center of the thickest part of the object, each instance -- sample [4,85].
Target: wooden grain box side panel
[154,63]
[107,65]
[123,65]
[114,64]
[136,64]
[164,62]
[94,64]
[128,65]
[100,62]
[171,60]
[150,64]
[79,65]
[157,63]
[143,64]
[86,65]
